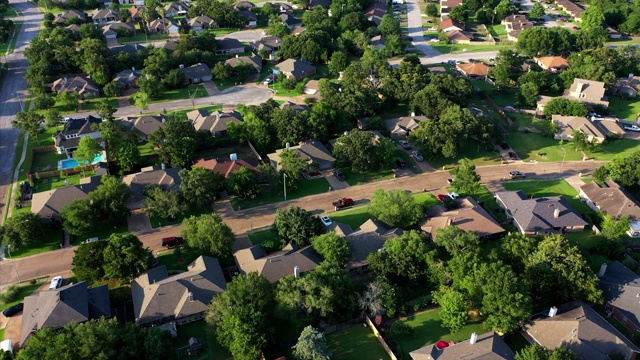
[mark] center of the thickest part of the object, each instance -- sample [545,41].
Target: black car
[512,155]
[338,174]
[504,145]
[13,310]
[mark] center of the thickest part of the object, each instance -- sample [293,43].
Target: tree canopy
[22,229]
[208,233]
[333,248]
[364,151]
[125,257]
[296,225]
[396,208]
[200,186]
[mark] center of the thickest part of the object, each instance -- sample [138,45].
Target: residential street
[12,94]
[414,25]
[59,261]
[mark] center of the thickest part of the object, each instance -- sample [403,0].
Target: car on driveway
[517,175]
[576,27]
[405,144]
[339,174]
[172,241]
[453,195]
[504,146]
[562,20]
[442,197]
[13,310]
[326,221]
[268,80]
[512,155]
[90,240]
[417,156]
[56,282]
[632,127]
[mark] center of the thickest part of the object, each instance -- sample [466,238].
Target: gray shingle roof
[196,71]
[621,287]
[612,199]
[73,127]
[167,179]
[367,239]
[489,346]
[279,264]
[49,204]
[229,44]
[295,67]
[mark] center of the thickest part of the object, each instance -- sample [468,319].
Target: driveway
[633,135]
[414,25]
[333,181]
[139,223]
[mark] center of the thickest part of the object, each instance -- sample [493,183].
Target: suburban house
[621,287]
[131,49]
[202,22]
[290,21]
[446,6]
[167,179]
[626,87]
[468,216]
[485,346]
[75,29]
[459,37]
[295,107]
[252,18]
[595,129]
[255,61]
[450,25]
[216,124]
[378,42]
[229,46]
[296,69]
[67,140]
[578,327]
[244,5]
[571,8]
[182,298]
[298,30]
[401,127]
[225,167]
[136,16]
[61,19]
[552,63]
[585,91]
[196,73]
[163,26]
[310,150]
[83,85]
[144,125]
[48,204]
[613,33]
[539,216]
[292,260]
[268,45]
[176,9]
[613,200]
[170,45]
[56,308]
[375,139]
[311,87]
[284,7]
[128,78]
[514,24]
[367,239]
[474,69]
[105,16]
[113,30]
[375,12]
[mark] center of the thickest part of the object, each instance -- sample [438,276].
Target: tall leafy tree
[592,17]
[208,233]
[125,257]
[333,248]
[165,204]
[29,122]
[406,259]
[454,310]
[87,261]
[110,199]
[389,25]
[200,186]
[624,169]
[395,208]
[466,178]
[364,151]
[292,164]
[242,182]
[614,229]
[296,225]
[87,150]
[536,12]
[458,241]
[23,229]
[78,217]
[311,345]
[176,142]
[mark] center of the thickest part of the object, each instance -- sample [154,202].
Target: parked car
[56,282]
[268,80]
[90,240]
[632,127]
[449,181]
[417,156]
[13,310]
[172,241]
[576,27]
[594,115]
[339,174]
[400,162]
[504,146]
[342,203]
[434,40]
[472,60]
[562,20]
[405,144]
[453,195]
[512,155]
[65,120]
[517,175]
[326,221]
[442,197]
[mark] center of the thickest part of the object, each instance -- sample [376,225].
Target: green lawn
[7,47]
[142,37]
[269,240]
[1,334]
[46,161]
[586,239]
[356,343]
[472,150]
[24,289]
[179,94]
[50,242]
[485,197]
[542,188]
[358,178]
[305,188]
[428,330]
[183,112]
[482,85]
[10,12]
[91,104]
[528,120]
[147,149]
[157,221]
[624,109]
[102,230]
[169,258]
[504,99]
[200,330]
[459,48]
[497,30]
[60,181]
[223,31]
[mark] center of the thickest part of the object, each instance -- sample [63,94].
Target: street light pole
[13,262]
[284,176]
[565,155]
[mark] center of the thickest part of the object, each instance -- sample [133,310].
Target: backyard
[142,37]
[199,329]
[356,343]
[305,188]
[269,240]
[624,109]
[361,178]
[178,258]
[428,330]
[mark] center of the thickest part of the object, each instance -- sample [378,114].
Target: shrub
[9,295]
[401,329]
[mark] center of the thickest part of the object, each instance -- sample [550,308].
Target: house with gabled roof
[459,37]
[295,107]
[48,204]
[296,69]
[131,49]
[576,326]
[627,86]
[226,167]
[176,9]
[200,23]
[229,47]
[163,26]
[573,9]
[515,24]
[83,85]
[446,6]
[111,31]
[585,91]
[196,73]
[144,125]
[476,69]
[401,127]
[376,11]
[61,19]
[595,130]
[613,200]
[252,18]
[292,260]
[468,216]
[181,298]
[215,123]
[312,151]
[290,21]
[167,179]
[68,140]
[268,45]
[104,16]
[128,78]
[488,346]
[620,287]
[59,307]
[450,25]
[244,5]
[255,61]
[552,63]
[540,216]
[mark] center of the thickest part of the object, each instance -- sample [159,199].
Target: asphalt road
[12,95]
[58,262]
[414,25]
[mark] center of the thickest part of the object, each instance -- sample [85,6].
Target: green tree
[502,10]
[466,178]
[113,89]
[125,257]
[200,186]
[68,101]
[292,165]
[208,233]
[288,83]
[454,311]
[165,204]
[458,241]
[507,67]
[396,208]
[590,38]
[176,142]
[43,101]
[223,71]
[141,100]
[22,229]
[339,62]
[87,261]
[527,95]
[110,199]
[459,14]
[533,352]
[105,110]
[242,183]
[615,229]
[581,142]
[389,25]
[296,225]
[562,106]
[625,170]
[364,151]
[52,118]
[242,315]
[333,248]
[431,10]
[311,345]
[78,217]
[276,27]
[29,123]
[536,12]
[601,174]
[87,150]
[542,40]
[592,17]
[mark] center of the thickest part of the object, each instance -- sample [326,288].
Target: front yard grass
[179,94]
[142,37]
[497,30]
[471,149]
[10,11]
[24,289]
[199,329]
[305,188]
[544,188]
[46,161]
[527,120]
[157,221]
[91,104]
[269,240]
[355,343]
[361,178]
[169,258]
[428,330]
[102,231]
[624,109]
[51,241]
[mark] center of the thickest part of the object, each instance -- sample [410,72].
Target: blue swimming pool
[71,163]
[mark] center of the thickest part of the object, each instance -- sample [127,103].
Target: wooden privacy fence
[380,339]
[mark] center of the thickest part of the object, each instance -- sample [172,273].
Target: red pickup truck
[173,241]
[342,203]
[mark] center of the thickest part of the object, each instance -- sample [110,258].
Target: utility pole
[193,98]
[284,176]
[565,155]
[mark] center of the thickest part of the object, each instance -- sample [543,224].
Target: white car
[90,240]
[434,40]
[432,29]
[56,282]
[326,221]
[268,80]
[632,127]
[453,195]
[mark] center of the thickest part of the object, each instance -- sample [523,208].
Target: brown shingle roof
[598,129]
[216,122]
[448,23]
[225,167]
[474,69]
[457,35]
[469,216]
[612,199]
[255,61]
[367,239]
[552,62]
[489,346]
[49,204]
[279,264]
[587,91]
[167,179]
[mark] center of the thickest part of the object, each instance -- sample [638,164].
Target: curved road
[14,88]
[59,261]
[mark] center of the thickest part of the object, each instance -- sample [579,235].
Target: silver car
[417,156]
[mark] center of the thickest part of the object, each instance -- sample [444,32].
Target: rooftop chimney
[181,66]
[556,213]
[579,88]
[553,311]
[603,270]
[163,166]
[296,272]
[474,338]
[413,114]
[190,296]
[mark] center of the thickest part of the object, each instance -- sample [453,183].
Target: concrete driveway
[633,135]
[414,25]
[333,181]
[139,223]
